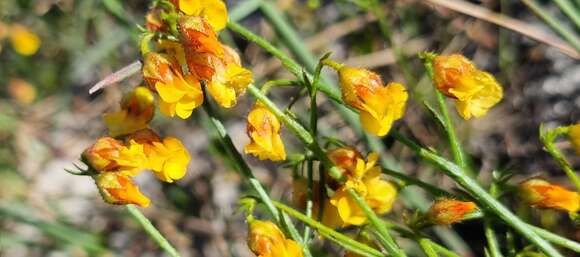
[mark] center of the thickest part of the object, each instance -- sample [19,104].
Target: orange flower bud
[574,136]
[266,240]
[203,50]
[108,154]
[380,106]
[345,157]
[23,92]
[541,194]
[449,211]
[101,156]
[264,131]
[116,188]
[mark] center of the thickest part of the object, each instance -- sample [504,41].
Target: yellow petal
[169,93]
[216,13]
[24,41]
[191,7]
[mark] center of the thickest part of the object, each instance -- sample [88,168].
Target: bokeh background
[47,118]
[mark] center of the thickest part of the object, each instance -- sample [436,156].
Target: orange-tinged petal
[116,188]
[449,211]
[448,69]
[542,194]
[264,131]
[488,96]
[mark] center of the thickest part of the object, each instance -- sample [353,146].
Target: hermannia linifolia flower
[137,109]
[266,240]
[542,194]
[167,158]
[379,105]
[180,94]
[110,155]
[474,91]
[364,178]
[263,128]
[116,188]
[449,211]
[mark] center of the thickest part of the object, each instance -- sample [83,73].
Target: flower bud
[108,155]
[266,240]
[101,155]
[448,69]
[357,83]
[137,109]
[449,211]
[116,188]
[574,137]
[264,131]
[541,194]
[24,41]
[345,158]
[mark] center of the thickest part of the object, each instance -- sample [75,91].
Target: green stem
[427,247]
[277,83]
[568,8]
[247,173]
[243,9]
[556,25]
[456,149]
[340,239]
[381,230]
[484,199]
[548,138]
[152,231]
[489,232]
[442,250]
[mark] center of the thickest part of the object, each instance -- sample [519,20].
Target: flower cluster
[131,148]
[266,240]
[23,40]
[474,91]
[178,68]
[542,194]
[379,105]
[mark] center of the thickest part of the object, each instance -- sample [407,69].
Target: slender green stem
[568,8]
[427,247]
[152,231]
[456,149]
[548,138]
[277,83]
[492,244]
[556,25]
[484,199]
[442,250]
[340,239]
[381,230]
[247,173]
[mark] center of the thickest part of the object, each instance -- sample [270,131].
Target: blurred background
[53,51]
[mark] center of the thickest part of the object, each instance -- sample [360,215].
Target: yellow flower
[475,91]
[214,11]
[23,92]
[116,188]
[167,158]
[24,41]
[180,94]
[137,109]
[574,136]
[541,194]
[379,105]
[449,211]
[109,154]
[330,217]
[203,50]
[264,131]
[230,79]
[266,240]
[365,179]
